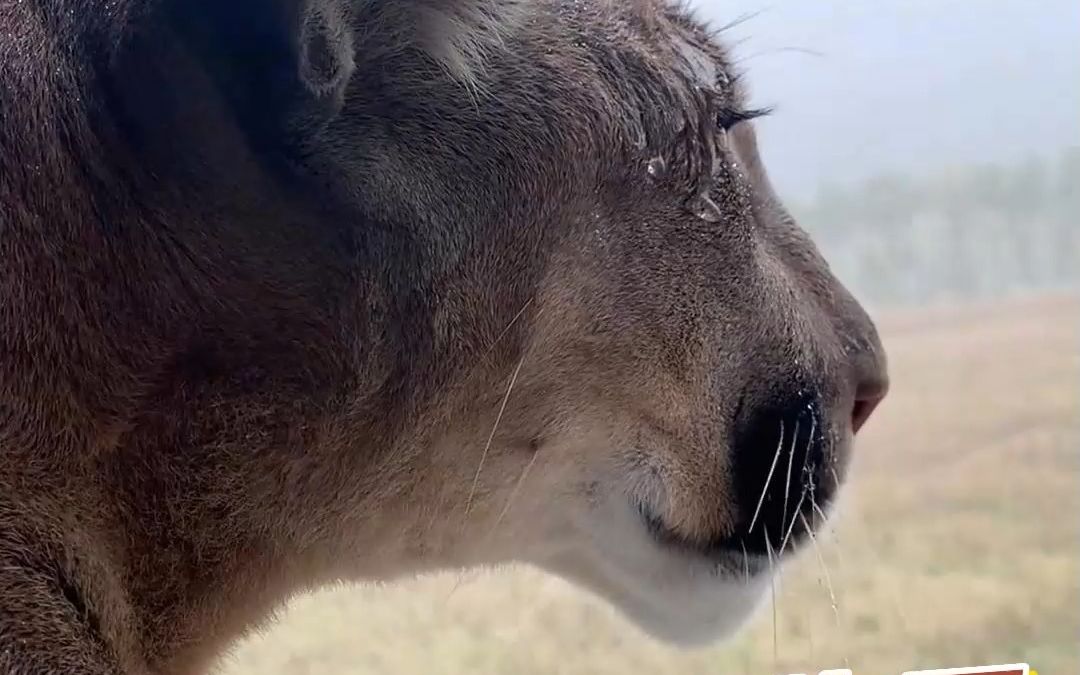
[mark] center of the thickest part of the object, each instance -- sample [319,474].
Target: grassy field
[958,544]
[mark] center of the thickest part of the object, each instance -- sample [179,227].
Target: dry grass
[958,543]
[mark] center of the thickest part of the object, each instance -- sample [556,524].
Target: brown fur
[294,291]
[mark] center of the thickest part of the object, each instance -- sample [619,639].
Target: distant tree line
[970,232]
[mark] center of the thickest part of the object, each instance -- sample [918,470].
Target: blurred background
[932,147]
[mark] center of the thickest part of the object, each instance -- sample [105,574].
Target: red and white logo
[1011,669]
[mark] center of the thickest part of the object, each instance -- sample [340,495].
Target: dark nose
[781,453]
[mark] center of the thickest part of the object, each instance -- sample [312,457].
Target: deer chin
[679,596]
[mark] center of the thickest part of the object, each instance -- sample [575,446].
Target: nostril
[867,398]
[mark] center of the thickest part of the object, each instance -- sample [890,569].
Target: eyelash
[728,118]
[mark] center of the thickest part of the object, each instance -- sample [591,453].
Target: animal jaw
[297,291]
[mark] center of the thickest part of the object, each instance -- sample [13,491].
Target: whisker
[513,494]
[491,436]
[802,494]
[838,552]
[787,535]
[824,568]
[746,565]
[741,19]
[787,481]
[810,441]
[824,518]
[498,521]
[768,479]
[835,476]
[860,523]
[805,51]
[484,357]
[808,470]
[772,586]
[828,580]
[463,577]
[510,325]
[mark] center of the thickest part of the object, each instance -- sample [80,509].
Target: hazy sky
[906,84]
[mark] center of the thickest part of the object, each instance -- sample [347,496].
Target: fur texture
[299,291]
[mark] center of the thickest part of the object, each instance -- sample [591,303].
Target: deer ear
[278,62]
[285,65]
[324,44]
